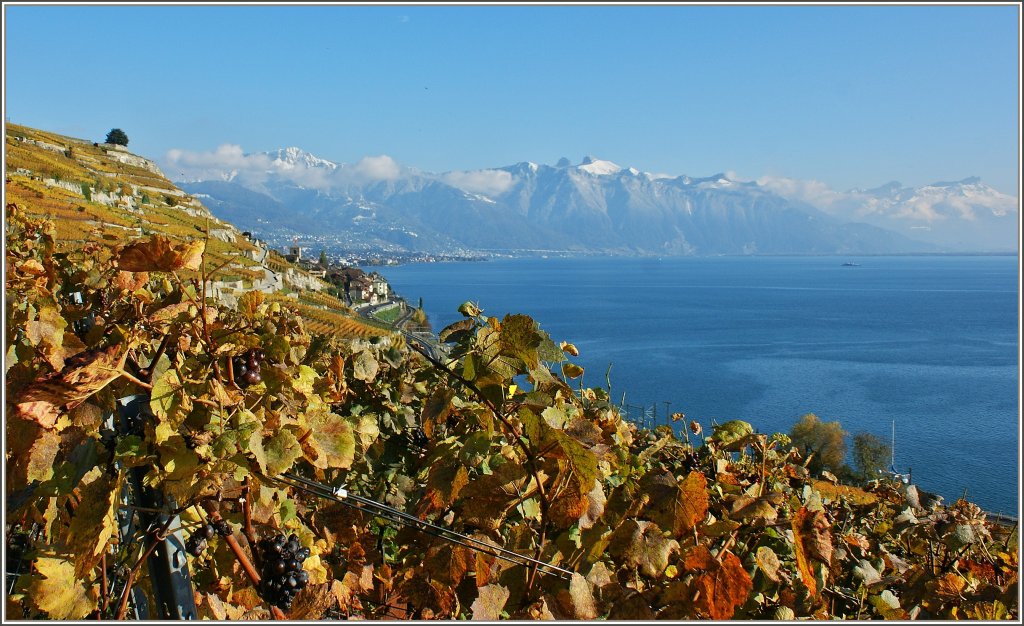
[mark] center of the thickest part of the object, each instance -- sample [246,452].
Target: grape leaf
[46,332]
[436,409]
[331,442]
[487,499]
[581,598]
[249,303]
[643,545]
[731,432]
[82,376]
[95,519]
[520,338]
[571,370]
[161,254]
[677,506]
[722,588]
[490,601]
[170,403]
[276,453]
[448,563]
[444,483]
[812,540]
[58,592]
[364,366]
[768,562]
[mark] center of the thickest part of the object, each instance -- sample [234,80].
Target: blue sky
[852,96]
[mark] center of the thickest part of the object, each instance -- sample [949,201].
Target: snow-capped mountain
[965,215]
[594,205]
[293,158]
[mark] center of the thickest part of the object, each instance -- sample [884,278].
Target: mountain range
[595,206]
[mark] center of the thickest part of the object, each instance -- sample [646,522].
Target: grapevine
[479,481]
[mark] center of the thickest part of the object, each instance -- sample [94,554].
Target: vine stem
[155,537]
[104,585]
[156,357]
[135,380]
[242,558]
[247,529]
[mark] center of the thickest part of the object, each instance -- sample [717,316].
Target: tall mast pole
[892,447]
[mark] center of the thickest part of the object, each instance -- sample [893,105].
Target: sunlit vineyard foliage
[495,440]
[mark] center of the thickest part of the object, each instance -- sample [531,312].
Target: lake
[928,342]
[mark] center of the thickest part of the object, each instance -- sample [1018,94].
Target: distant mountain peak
[294,156]
[598,167]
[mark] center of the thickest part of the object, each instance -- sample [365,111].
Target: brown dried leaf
[129,281]
[698,558]
[448,563]
[436,409]
[161,254]
[768,561]
[489,603]
[643,545]
[722,588]
[444,483]
[82,376]
[812,541]
[677,506]
[581,598]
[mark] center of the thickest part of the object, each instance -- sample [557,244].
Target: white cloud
[226,162]
[380,167]
[230,162]
[486,182]
[813,192]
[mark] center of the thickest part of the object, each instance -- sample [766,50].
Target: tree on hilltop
[118,137]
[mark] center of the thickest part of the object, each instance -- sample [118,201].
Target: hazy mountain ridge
[600,206]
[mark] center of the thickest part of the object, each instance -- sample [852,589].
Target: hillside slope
[102,193]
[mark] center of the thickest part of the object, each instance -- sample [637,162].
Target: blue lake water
[930,342]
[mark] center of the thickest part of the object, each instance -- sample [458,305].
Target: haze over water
[930,342]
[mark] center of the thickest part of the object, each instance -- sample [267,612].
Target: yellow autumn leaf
[316,569]
[58,593]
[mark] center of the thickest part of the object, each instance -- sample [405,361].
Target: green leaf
[520,338]
[170,403]
[276,454]
[731,432]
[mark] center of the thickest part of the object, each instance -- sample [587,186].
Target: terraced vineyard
[104,194]
[321,321]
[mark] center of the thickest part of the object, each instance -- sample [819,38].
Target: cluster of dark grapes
[247,367]
[282,576]
[197,541]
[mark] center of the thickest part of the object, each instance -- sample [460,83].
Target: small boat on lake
[851,264]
